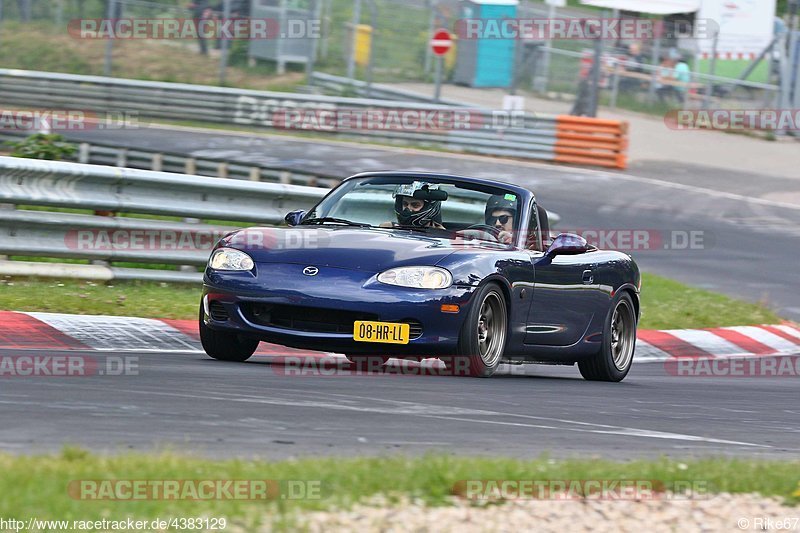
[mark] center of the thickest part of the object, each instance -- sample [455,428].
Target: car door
[563,295]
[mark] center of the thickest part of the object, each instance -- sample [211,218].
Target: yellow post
[363,44]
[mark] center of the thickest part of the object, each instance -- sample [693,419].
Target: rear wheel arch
[635,297]
[613,360]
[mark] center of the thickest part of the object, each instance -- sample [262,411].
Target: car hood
[367,249]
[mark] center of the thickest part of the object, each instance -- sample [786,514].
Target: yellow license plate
[386,332]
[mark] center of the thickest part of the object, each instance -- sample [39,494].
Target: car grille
[415,329]
[314,319]
[217,311]
[299,318]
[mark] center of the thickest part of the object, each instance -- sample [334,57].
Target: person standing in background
[635,60]
[201,9]
[673,77]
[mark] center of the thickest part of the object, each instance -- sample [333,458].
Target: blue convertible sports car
[416,265]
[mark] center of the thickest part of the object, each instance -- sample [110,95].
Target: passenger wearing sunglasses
[500,214]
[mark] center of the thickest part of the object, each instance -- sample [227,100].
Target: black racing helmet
[431,209]
[507,202]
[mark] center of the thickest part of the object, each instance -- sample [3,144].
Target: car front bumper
[337,293]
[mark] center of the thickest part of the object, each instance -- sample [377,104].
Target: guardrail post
[284,177]
[190,166]
[5,206]
[222,170]
[189,268]
[84,153]
[255,174]
[122,157]
[157,162]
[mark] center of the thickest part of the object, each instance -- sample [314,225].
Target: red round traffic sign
[442,42]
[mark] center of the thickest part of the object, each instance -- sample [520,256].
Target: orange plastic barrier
[591,141]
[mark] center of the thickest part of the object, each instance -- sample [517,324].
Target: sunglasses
[502,218]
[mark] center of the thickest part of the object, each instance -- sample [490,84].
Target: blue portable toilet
[487,61]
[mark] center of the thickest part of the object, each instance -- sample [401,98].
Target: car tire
[614,360]
[368,363]
[483,336]
[225,346]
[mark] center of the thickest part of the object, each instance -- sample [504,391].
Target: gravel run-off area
[720,512]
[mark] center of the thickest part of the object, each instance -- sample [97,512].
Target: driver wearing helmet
[413,211]
[500,212]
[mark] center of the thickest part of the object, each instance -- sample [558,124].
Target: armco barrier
[341,85]
[577,140]
[500,133]
[72,185]
[57,234]
[61,185]
[591,141]
[100,154]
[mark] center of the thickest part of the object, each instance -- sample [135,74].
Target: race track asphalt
[190,403]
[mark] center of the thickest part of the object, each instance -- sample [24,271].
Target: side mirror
[294,217]
[567,244]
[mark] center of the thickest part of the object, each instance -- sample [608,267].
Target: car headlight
[417,277]
[230,259]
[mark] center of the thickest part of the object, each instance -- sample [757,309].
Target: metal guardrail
[570,140]
[101,154]
[102,189]
[72,185]
[342,85]
[490,132]
[105,237]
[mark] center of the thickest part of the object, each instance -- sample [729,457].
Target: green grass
[38,485]
[44,46]
[733,68]
[142,299]
[666,304]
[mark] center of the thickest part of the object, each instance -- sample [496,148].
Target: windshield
[422,203]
